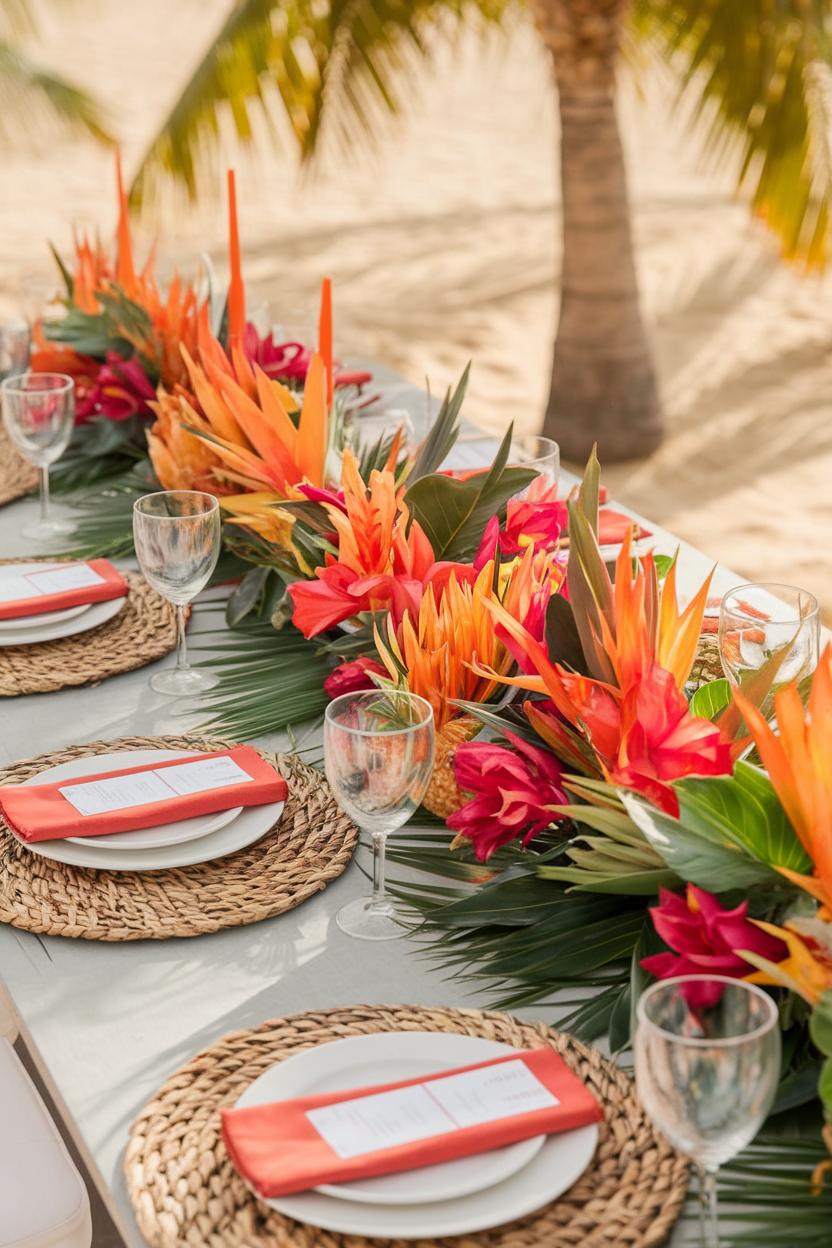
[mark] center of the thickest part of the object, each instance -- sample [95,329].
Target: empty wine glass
[759,621]
[177,538]
[378,751]
[14,348]
[39,415]
[707,1058]
[540,454]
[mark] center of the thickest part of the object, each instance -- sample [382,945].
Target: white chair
[43,1201]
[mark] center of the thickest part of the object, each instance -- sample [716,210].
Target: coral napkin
[141,797]
[613,527]
[54,589]
[288,1146]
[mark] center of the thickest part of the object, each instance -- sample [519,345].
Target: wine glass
[177,538]
[758,621]
[707,1058]
[378,752]
[14,348]
[39,415]
[540,454]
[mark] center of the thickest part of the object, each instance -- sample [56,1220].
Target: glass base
[364,921]
[179,682]
[45,530]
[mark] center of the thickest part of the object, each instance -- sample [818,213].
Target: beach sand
[443,243]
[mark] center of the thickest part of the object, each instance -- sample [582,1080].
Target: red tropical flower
[707,939]
[516,793]
[353,676]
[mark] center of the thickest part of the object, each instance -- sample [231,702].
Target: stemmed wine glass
[39,415]
[378,752]
[707,1058]
[758,621]
[177,538]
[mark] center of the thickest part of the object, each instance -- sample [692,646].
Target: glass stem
[708,1208]
[182,664]
[44,494]
[379,861]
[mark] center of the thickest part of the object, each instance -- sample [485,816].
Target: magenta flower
[516,793]
[289,361]
[353,676]
[121,389]
[706,938]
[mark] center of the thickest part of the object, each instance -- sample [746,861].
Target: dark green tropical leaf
[454,513]
[100,451]
[563,639]
[246,596]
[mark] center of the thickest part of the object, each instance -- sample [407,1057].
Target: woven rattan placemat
[17,477]
[311,845]
[185,1191]
[143,631]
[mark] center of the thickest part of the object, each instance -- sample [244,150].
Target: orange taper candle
[236,290]
[125,273]
[325,338]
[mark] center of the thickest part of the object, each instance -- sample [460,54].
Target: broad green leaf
[742,810]
[563,640]
[711,699]
[825,1088]
[820,1025]
[707,861]
[590,591]
[454,513]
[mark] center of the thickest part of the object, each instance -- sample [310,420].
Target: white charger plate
[242,829]
[423,1208]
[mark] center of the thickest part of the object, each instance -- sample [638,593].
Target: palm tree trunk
[603,384]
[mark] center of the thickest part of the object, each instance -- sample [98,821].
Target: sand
[442,239]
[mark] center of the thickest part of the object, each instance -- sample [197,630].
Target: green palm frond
[268,679]
[32,99]
[297,65]
[758,73]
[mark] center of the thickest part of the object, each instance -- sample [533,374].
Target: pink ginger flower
[516,793]
[353,676]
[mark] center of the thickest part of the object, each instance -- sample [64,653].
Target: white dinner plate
[45,617]
[363,1061]
[30,633]
[22,622]
[542,1177]
[240,830]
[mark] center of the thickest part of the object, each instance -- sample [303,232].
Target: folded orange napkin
[613,527]
[288,1146]
[141,797]
[54,589]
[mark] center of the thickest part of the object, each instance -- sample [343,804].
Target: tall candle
[125,272]
[325,338]
[236,291]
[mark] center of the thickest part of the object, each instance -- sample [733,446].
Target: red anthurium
[516,793]
[706,939]
[353,676]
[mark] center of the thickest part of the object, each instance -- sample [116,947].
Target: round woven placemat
[311,845]
[143,631]
[186,1192]
[17,477]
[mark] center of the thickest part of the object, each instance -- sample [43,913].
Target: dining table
[107,1023]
